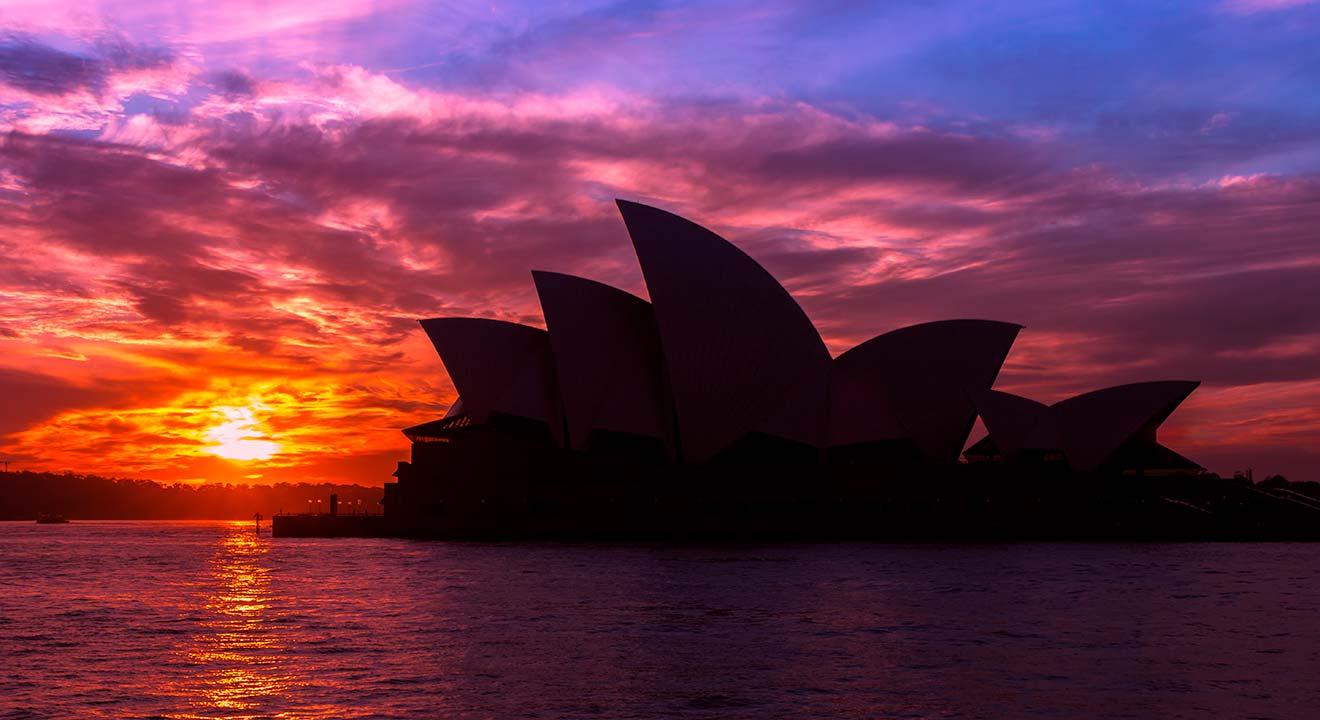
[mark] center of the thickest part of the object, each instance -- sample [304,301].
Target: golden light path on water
[189,620]
[238,652]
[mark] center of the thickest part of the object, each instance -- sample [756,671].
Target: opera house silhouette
[716,408]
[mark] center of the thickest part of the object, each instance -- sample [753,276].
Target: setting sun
[239,438]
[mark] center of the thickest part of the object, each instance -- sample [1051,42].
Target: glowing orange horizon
[212,275]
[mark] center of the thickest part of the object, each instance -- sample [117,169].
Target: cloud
[33,397]
[983,165]
[233,83]
[46,89]
[248,234]
[1248,7]
[46,71]
[43,70]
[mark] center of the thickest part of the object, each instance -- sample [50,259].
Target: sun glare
[239,438]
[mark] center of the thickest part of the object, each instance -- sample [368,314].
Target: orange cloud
[232,292]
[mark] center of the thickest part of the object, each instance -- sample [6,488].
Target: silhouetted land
[89,497]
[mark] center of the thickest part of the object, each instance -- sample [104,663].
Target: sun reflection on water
[239,672]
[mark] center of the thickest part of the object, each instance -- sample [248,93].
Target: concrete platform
[329,526]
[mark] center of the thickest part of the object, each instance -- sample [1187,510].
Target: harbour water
[206,620]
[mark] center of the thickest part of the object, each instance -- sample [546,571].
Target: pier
[331,524]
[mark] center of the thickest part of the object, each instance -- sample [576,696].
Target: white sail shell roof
[607,358]
[498,366]
[1093,425]
[723,351]
[917,382]
[1087,428]
[1016,423]
[740,354]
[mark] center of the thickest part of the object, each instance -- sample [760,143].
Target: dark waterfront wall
[473,490]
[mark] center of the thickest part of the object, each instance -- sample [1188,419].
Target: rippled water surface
[188,620]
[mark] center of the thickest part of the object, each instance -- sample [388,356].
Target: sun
[238,438]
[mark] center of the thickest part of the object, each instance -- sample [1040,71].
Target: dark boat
[51,519]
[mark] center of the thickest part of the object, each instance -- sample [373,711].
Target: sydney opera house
[716,405]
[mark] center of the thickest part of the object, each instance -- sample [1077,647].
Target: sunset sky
[222,220]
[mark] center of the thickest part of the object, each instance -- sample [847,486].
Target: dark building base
[952,502]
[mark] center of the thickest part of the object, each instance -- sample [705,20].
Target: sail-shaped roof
[1088,428]
[724,353]
[740,354]
[1016,423]
[917,382]
[862,406]
[607,358]
[1095,424]
[498,366]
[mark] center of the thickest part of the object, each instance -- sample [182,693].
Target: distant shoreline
[24,494]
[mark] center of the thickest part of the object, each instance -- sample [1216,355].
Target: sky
[223,220]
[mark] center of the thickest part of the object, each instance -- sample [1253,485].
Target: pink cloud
[1255,6]
[296,228]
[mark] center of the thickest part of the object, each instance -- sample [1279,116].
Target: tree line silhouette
[25,494]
